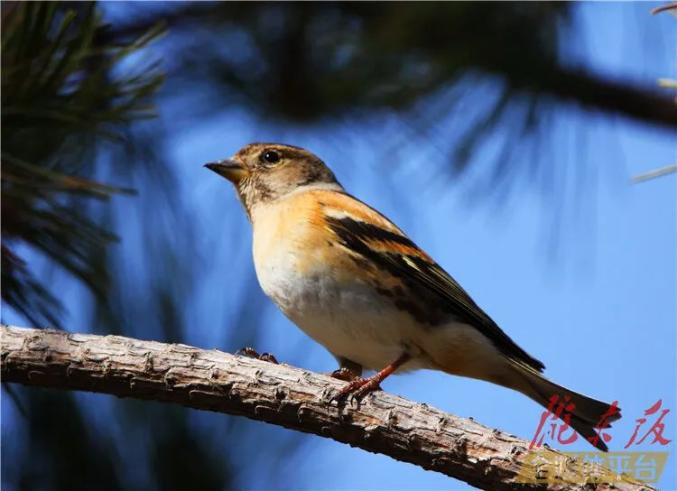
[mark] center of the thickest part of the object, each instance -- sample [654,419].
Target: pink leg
[361,386]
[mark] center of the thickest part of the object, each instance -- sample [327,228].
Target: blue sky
[585,283]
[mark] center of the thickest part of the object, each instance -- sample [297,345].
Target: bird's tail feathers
[585,414]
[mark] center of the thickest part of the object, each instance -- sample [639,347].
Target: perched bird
[355,283]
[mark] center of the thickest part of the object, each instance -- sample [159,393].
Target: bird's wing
[367,233]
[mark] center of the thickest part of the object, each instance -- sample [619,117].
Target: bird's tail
[585,413]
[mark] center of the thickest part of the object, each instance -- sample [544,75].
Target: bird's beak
[230,169]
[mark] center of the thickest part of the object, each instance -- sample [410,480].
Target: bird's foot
[250,352]
[359,387]
[345,374]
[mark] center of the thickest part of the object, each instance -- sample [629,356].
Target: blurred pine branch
[305,61]
[456,74]
[66,92]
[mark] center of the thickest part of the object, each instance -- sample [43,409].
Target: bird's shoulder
[330,206]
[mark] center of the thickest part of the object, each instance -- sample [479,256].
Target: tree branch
[285,396]
[598,93]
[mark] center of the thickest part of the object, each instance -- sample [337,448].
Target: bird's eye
[270,157]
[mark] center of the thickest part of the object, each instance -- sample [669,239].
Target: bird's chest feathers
[287,265]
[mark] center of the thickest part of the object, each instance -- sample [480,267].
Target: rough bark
[282,395]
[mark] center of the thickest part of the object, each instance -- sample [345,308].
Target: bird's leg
[348,370]
[250,352]
[361,386]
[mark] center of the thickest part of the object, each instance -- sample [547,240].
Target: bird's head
[264,172]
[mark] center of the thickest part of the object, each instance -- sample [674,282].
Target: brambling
[355,283]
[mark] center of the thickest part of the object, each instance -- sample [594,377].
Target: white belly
[352,321]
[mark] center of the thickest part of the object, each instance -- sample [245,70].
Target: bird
[358,285]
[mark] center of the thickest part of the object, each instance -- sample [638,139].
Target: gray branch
[290,397]
[653,174]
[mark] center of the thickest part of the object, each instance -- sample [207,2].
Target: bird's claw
[358,388]
[345,374]
[250,352]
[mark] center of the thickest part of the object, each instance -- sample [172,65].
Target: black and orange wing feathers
[386,247]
